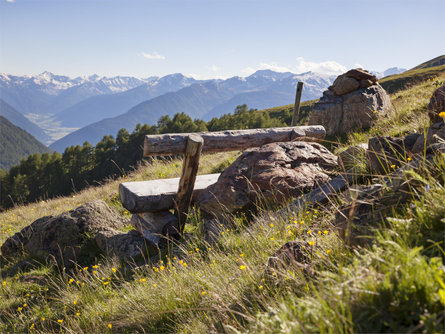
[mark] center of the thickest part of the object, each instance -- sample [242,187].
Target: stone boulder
[433,135]
[352,80]
[384,152]
[358,109]
[76,236]
[272,172]
[437,104]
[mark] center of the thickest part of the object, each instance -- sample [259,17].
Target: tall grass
[395,283]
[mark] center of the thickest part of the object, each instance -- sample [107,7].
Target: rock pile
[354,101]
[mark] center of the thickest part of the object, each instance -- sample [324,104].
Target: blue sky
[212,38]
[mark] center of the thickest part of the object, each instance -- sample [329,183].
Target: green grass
[394,283]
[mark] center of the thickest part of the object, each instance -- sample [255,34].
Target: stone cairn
[354,101]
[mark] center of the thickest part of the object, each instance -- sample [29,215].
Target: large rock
[272,172]
[352,80]
[437,104]
[434,134]
[75,236]
[356,110]
[385,152]
[343,85]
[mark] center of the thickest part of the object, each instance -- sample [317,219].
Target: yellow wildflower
[43,318]
[4,283]
[325,232]
[243,267]
[328,251]
[184,264]
[271,225]
[113,270]
[110,326]
[32,326]
[309,232]
[60,321]
[393,166]
[442,114]
[260,287]
[311,243]
[78,314]
[70,281]
[75,302]
[203,293]
[105,283]
[162,268]
[19,309]
[154,284]
[95,266]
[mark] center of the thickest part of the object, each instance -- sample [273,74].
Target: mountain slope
[195,100]
[204,100]
[21,121]
[431,63]
[16,144]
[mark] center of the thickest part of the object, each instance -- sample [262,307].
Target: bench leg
[188,177]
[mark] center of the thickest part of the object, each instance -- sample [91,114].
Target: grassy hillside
[438,61]
[16,144]
[394,283]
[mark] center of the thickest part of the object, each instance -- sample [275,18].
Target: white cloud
[301,66]
[359,66]
[213,68]
[325,67]
[153,55]
[10,0]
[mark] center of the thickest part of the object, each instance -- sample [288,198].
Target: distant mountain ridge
[16,144]
[205,100]
[50,93]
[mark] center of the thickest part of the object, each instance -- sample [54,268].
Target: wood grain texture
[297,103]
[231,140]
[188,177]
[158,195]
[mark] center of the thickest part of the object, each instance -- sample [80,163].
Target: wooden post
[187,181]
[297,103]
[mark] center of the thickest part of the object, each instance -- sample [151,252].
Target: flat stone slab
[158,195]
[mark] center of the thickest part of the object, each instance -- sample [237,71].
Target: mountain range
[87,108]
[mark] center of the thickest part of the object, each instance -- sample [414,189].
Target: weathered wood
[188,177]
[152,224]
[297,103]
[158,195]
[231,140]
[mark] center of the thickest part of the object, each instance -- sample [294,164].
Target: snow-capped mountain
[389,71]
[204,100]
[47,93]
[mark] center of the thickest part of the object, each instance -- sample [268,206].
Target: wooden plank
[188,177]
[158,195]
[297,103]
[231,140]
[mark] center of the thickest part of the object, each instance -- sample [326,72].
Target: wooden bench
[150,200]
